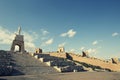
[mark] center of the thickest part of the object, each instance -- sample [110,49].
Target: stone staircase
[5,67]
[60,64]
[24,64]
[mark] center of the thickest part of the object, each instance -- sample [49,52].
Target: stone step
[60,63]
[5,60]
[37,56]
[5,70]
[75,68]
[51,58]
[26,64]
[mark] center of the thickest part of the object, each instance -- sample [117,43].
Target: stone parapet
[60,55]
[96,62]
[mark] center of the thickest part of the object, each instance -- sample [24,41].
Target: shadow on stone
[2,79]
[16,72]
[68,56]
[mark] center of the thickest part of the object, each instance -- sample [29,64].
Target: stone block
[32,54]
[69,68]
[88,69]
[51,58]
[36,56]
[61,63]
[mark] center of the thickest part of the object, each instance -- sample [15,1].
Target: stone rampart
[96,62]
[61,55]
[89,60]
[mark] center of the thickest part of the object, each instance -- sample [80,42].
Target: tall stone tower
[19,41]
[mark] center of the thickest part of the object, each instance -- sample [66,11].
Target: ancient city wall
[61,55]
[93,61]
[96,62]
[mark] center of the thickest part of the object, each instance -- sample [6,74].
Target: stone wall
[89,60]
[61,55]
[96,62]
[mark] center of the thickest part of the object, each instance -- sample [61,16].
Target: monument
[19,41]
[61,50]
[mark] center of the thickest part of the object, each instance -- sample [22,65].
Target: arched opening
[17,48]
[60,50]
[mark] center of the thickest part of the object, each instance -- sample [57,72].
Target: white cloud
[43,38]
[29,40]
[70,33]
[72,50]
[62,44]
[115,34]
[95,42]
[82,48]
[29,37]
[91,51]
[6,37]
[30,46]
[44,32]
[64,34]
[48,42]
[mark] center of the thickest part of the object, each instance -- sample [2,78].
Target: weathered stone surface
[69,68]
[96,62]
[25,64]
[5,63]
[61,63]
[60,55]
[51,58]
[38,50]
[88,69]
[115,60]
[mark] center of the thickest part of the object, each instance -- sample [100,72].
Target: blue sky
[91,25]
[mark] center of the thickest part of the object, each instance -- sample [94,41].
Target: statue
[19,30]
